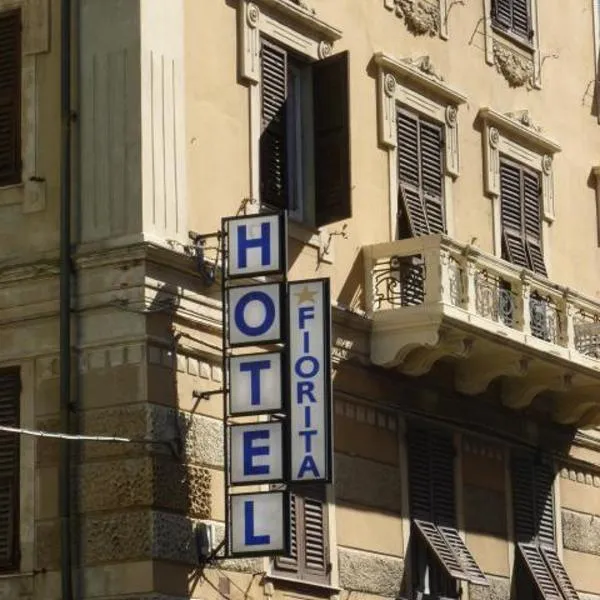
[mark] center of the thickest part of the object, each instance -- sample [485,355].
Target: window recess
[534,525]
[440,558]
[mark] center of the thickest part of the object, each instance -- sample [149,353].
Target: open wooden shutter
[511,214]
[432,174]
[409,180]
[10,389]
[531,555]
[439,547]
[471,570]
[532,221]
[273,160]
[331,116]
[521,18]
[10,97]
[502,13]
[560,574]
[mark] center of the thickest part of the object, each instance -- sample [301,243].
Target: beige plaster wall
[218,123]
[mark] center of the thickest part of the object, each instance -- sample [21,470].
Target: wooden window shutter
[532,221]
[10,389]
[560,574]
[431,481]
[544,503]
[421,173]
[10,97]
[511,216]
[442,455]
[432,174]
[502,13]
[331,116]
[309,548]
[273,160]
[409,173]
[290,562]
[538,570]
[524,514]
[521,18]
[417,441]
[316,555]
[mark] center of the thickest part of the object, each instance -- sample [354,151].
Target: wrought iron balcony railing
[460,282]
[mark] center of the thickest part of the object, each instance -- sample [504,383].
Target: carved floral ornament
[517,69]
[421,16]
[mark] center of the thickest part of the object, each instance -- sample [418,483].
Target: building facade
[439,163]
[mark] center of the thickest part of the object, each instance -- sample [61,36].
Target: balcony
[431,298]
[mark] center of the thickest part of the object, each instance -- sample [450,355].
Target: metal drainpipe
[65,301]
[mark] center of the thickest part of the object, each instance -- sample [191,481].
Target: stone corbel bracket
[516,136]
[286,22]
[422,17]
[416,84]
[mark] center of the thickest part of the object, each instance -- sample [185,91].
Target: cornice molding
[301,14]
[514,125]
[420,72]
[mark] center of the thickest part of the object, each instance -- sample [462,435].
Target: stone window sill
[332,589]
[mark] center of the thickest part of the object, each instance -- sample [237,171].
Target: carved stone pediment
[517,69]
[524,118]
[421,16]
[424,64]
[303,5]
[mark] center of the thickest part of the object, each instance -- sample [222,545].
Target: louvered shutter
[316,561]
[532,221]
[538,569]
[331,117]
[309,550]
[432,174]
[417,441]
[502,13]
[560,574]
[273,69]
[521,18]
[524,516]
[544,503]
[442,476]
[290,562]
[440,548]
[511,214]
[409,180]
[10,97]
[10,387]
[471,570]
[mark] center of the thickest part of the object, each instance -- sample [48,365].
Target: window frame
[537,560]
[415,86]
[309,38]
[500,43]
[30,190]
[435,539]
[298,569]
[14,177]
[515,136]
[509,31]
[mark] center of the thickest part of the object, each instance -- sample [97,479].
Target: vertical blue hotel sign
[276,339]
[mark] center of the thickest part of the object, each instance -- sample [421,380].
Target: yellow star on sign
[305,295]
